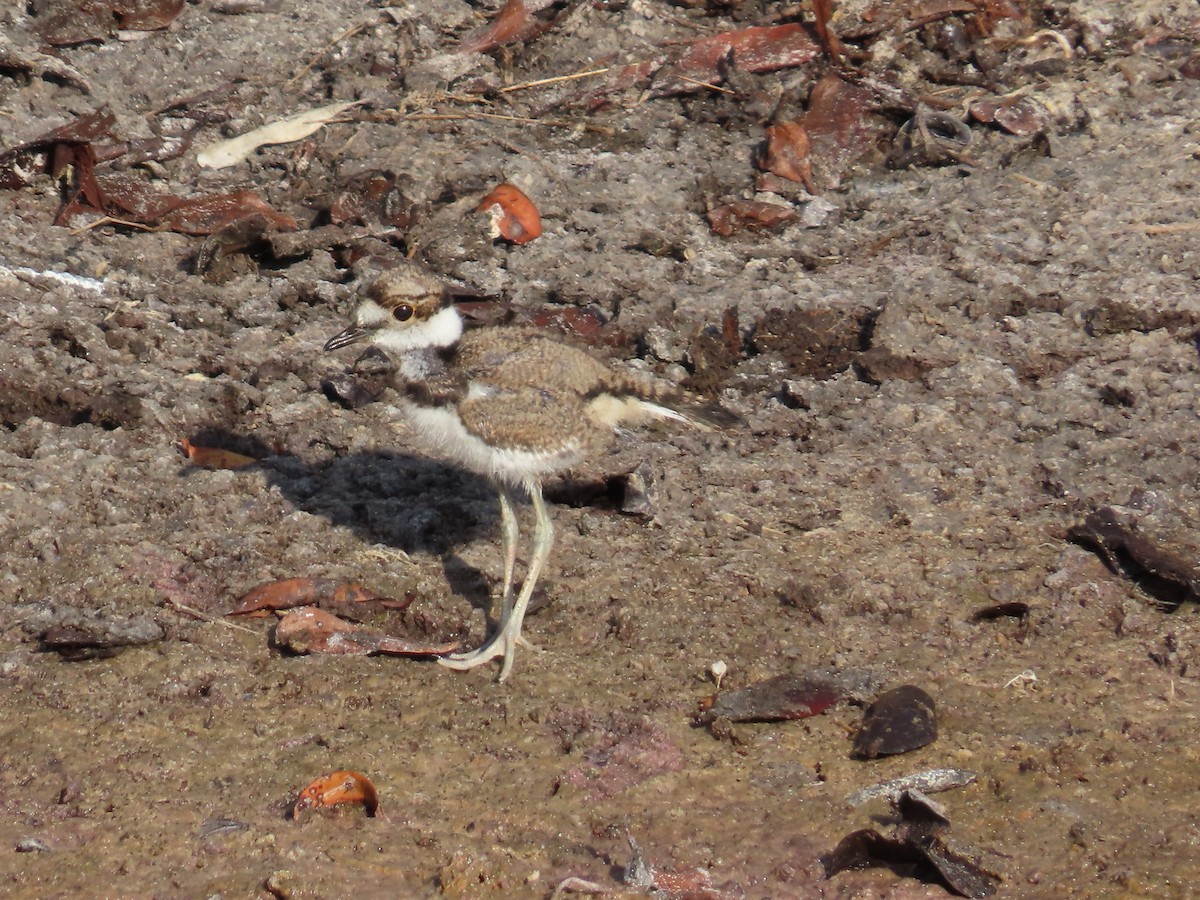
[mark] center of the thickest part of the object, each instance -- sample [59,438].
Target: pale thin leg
[507,638]
[509,532]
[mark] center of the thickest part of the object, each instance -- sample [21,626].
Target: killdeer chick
[508,403]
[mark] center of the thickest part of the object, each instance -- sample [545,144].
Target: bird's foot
[503,644]
[526,644]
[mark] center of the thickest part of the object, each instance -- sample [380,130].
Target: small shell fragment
[337,788]
[514,217]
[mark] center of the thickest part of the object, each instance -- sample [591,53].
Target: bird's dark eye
[403,312]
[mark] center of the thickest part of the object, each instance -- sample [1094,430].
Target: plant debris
[928,782]
[336,789]
[1167,574]
[679,883]
[1017,609]
[230,152]
[77,635]
[517,21]
[755,49]
[919,847]
[754,215]
[71,22]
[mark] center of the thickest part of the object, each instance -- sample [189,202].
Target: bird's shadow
[416,504]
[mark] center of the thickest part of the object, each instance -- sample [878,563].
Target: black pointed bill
[351,335]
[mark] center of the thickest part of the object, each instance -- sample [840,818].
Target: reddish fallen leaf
[311,630]
[147,15]
[214,457]
[515,22]
[204,215]
[757,49]
[840,126]
[748,214]
[132,198]
[1021,116]
[292,592]
[70,148]
[82,21]
[989,12]
[787,153]
[514,217]
[335,789]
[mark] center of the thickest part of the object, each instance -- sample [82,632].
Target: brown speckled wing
[530,419]
[515,358]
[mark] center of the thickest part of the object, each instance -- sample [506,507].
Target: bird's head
[405,308]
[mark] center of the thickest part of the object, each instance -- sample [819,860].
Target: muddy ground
[940,370]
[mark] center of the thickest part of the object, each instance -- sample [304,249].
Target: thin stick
[204,617]
[1033,182]
[1171,228]
[555,80]
[522,120]
[704,84]
[112,220]
[1165,228]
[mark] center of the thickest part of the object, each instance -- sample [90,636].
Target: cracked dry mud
[942,374]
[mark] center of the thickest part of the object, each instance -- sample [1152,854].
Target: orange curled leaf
[787,153]
[514,217]
[214,457]
[338,788]
[515,22]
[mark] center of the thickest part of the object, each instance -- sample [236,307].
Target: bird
[510,403]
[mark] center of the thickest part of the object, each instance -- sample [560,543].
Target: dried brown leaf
[756,49]
[204,215]
[787,153]
[753,214]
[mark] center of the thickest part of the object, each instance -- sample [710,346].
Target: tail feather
[697,412]
[646,397]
